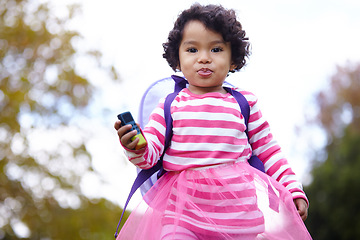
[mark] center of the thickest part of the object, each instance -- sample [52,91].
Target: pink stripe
[297,190]
[247,95]
[287,172]
[269,153]
[206,208]
[255,116]
[245,178]
[207,154]
[209,139]
[260,128]
[298,193]
[149,159]
[209,124]
[158,118]
[247,193]
[244,92]
[134,158]
[276,166]
[206,109]
[219,231]
[241,223]
[144,165]
[288,183]
[177,167]
[262,141]
[155,132]
[215,96]
[160,105]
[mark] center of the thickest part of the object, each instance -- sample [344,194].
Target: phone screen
[127,118]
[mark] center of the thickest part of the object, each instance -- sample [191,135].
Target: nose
[204,57]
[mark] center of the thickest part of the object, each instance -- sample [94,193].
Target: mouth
[205,72]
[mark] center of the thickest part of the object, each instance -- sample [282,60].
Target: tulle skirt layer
[229,201]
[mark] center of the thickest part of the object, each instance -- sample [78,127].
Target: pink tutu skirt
[229,201]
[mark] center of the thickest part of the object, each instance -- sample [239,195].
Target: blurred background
[67,68]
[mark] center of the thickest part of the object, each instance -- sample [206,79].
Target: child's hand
[302,208]
[125,136]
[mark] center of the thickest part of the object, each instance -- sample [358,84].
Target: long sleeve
[269,152]
[154,134]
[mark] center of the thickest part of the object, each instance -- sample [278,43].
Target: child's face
[205,59]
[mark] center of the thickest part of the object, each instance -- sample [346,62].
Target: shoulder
[250,97]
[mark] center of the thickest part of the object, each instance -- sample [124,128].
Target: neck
[204,90]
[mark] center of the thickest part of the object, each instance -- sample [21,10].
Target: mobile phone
[126,118]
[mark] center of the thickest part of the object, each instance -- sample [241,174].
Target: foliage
[41,92]
[340,104]
[334,199]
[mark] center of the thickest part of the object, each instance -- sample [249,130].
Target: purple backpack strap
[145,174]
[140,179]
[254,161]
[180,83]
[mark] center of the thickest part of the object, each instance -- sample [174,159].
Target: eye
[217,49]
[191,50]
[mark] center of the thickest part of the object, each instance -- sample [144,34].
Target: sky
[296,46]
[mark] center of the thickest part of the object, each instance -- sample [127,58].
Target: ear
[232,67]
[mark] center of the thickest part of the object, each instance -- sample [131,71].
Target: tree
[334,199]
[42,92]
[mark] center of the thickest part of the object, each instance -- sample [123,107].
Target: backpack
[146,178]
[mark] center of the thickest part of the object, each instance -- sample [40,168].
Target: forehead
[196,30]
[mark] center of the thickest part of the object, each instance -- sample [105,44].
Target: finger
[126,139]
[132,144]
[123,130]
[117,124]
[302,209]
[305,215]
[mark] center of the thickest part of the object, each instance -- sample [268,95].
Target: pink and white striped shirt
[208,130]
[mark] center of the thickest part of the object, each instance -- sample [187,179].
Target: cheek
[184,62]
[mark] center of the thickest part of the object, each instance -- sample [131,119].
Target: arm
[269,152]
[154,133]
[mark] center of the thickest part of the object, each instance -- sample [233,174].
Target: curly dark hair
[215,18]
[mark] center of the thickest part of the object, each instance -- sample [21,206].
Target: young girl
[210,191]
